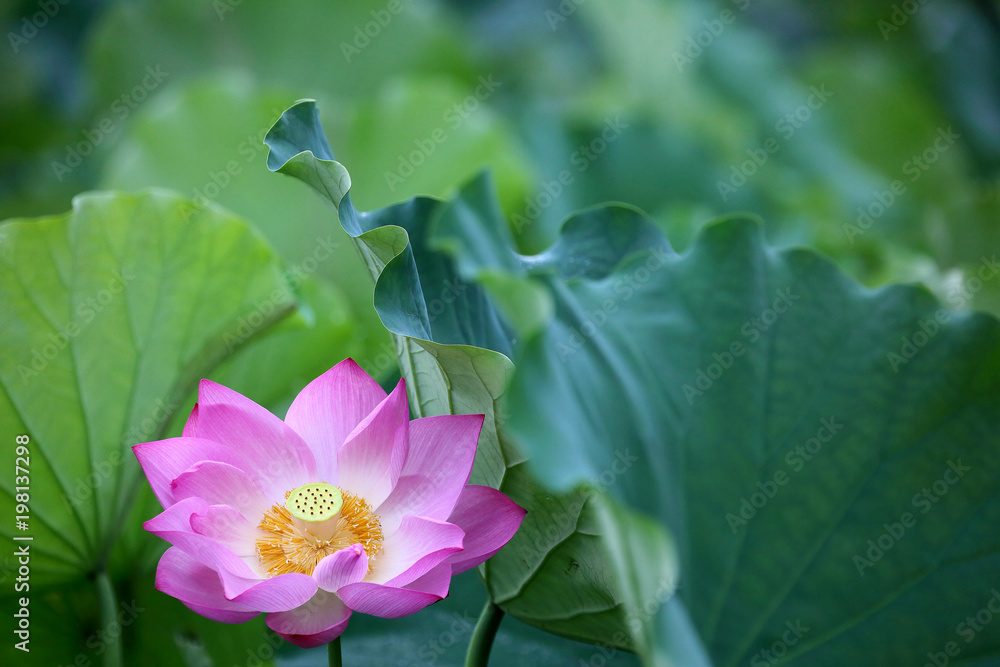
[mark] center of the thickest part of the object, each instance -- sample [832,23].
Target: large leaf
[793,431]
[452,345]
[110,315]
[824,455]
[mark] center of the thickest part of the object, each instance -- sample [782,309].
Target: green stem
[333,653]
[483,635]
[109,619]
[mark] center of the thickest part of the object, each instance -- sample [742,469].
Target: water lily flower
[344,506]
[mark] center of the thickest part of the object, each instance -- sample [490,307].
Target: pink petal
[438,465]
[222,484]
[489,519]
[281,593]
[372,456]
[329,408]
[240,583]
[174,525]
[274,453]
[191,425]
[341,567]
[164,460]
[436,581]
[385,601]
[319,621]
[419,545]
[181,576]
[229,528]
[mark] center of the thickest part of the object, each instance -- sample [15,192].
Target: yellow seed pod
[314,503]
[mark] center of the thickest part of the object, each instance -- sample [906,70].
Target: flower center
[315,521]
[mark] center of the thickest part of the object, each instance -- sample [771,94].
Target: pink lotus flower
[344,506]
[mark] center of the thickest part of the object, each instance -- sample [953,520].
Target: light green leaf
[110,315]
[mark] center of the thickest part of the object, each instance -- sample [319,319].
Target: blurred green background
[869,130]
[697,89]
